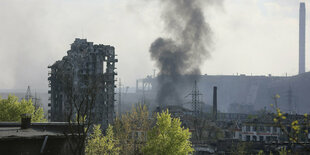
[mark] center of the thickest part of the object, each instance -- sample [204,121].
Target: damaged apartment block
[83,81]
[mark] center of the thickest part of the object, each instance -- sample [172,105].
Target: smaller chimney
[26,121]
[214,103]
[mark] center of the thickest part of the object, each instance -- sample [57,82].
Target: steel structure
[196,102]
[36,101]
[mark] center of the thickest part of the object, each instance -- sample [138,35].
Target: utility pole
[119,97]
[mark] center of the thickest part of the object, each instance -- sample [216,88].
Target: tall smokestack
[214,103]
[302,38]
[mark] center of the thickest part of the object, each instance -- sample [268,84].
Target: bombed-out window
[103,67]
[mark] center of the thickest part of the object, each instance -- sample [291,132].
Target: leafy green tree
[129,125]
[11,109]
[168,137]
[240,149]
[299,127]
[98,144]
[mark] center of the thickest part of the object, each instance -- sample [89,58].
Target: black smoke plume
[180,56]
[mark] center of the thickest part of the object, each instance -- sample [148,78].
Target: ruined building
[86,75]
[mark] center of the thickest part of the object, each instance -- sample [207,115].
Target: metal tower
[196,103]
[35,100]
[28,95]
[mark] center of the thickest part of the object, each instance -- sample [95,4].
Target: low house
[264,129]
[37,138]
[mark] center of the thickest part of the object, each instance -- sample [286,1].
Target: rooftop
[12,130]
[17,132]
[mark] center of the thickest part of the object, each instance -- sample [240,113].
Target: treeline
[137,133]
[11,110]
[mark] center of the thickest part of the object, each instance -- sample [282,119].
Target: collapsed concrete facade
[86,68]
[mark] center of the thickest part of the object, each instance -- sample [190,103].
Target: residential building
[86,76]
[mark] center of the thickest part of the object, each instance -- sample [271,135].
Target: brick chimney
[214,103]
[25,121]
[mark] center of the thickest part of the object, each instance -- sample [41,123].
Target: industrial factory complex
[240,93]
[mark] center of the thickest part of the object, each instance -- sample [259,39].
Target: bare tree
[80,93]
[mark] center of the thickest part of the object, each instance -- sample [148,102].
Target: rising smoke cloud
[180,56]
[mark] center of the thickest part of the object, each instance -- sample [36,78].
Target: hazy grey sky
[249,36]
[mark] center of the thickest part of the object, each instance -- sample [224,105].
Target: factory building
[264,129]
[85,76]
[240,93]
